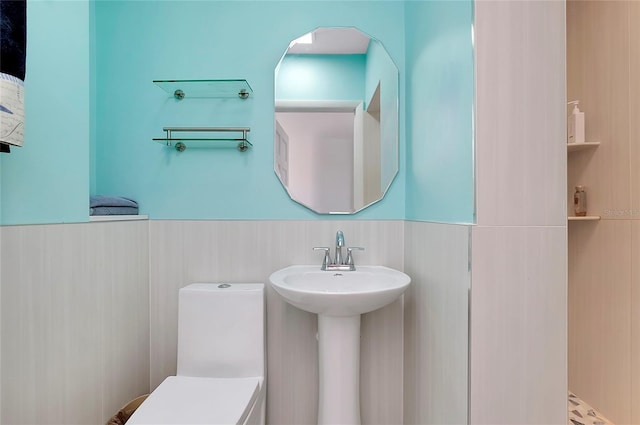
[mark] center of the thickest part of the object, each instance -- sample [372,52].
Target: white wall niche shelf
[181,89]
[585,218]
[93,218]
[575,147]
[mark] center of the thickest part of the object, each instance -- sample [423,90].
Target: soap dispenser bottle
[575,124]
[580,202]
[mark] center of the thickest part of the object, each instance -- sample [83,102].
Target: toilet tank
[221,330]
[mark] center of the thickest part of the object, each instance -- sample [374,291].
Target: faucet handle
[327,256]
[349,260]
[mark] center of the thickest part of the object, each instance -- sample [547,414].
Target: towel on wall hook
[13,47]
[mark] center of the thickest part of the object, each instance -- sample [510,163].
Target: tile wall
[436,329]
[518,325]
[519,265]
[601,313]
[603,49]
[89,314]
[249,251]
[75,321]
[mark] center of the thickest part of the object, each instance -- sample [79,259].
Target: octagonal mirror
[336,120]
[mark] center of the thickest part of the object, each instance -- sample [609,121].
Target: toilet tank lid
[193,400]
[221,286]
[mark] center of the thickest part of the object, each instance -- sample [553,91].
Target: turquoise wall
[321,77]
[381,69]
[439,103]
[92,96]
[47,180]
[92,109]
[138,42]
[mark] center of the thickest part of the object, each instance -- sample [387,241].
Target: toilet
[220,375]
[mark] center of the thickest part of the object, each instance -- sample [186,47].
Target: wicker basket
[125,413]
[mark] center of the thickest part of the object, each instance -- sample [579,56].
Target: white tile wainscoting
[249,251]
[436,372]
[89,313]
[75,321]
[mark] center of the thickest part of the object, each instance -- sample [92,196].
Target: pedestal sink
[339,298]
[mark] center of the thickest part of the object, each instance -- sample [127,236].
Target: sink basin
[336,293]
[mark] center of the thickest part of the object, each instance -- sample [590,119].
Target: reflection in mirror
[336,120]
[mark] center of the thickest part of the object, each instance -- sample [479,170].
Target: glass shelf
[190,138]
[205,88]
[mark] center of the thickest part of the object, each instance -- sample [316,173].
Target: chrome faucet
[339,245]
[339,264]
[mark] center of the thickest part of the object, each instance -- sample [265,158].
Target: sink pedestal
[339,299]
[339,370]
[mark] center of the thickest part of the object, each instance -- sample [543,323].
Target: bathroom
[88,309]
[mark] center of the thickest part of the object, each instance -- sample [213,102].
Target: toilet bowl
[221,360]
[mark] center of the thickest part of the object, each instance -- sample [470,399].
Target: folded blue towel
[112,201]
[113,211]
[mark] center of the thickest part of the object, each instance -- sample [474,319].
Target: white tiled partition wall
[182,252]
[518,325]
[521,158]
[89,313]
[75,321]
[519,256]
